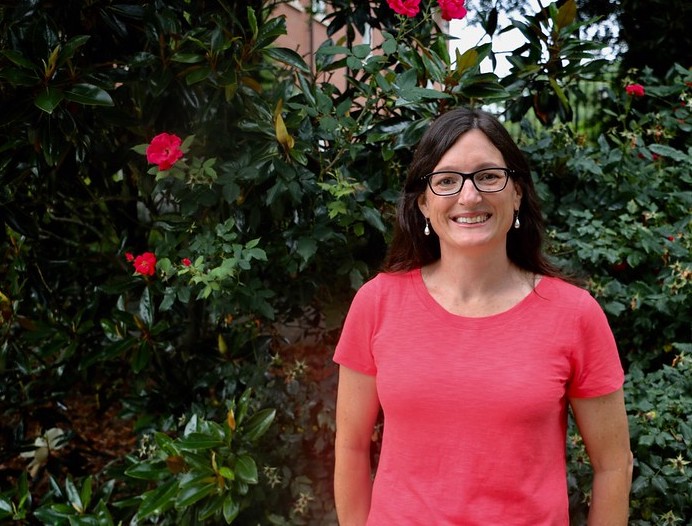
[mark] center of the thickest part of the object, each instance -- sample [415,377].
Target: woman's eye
[487,176]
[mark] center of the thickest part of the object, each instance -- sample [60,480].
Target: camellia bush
[178,193]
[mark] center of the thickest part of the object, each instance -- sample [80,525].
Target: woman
[473,347]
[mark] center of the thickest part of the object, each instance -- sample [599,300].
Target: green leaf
[89,95]
[68,50]
[149,470]
[252,20]
[194,493]
[146,308]
[73,495]
[566,14]
[231,509]
[306,247]
[668,151]
[197,75]
[159,499]
[288,57]
[246,469]
[259,423]
[187,58]
[195,441]
[86,492]
[17,58]
[49,100]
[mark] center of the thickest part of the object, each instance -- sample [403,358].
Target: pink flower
[452,9]
[409,8]
[129,256]
[186,262]
[164,150]
[635,90]
[145,264]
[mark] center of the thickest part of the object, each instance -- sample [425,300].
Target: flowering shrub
[635,90]
[164,150]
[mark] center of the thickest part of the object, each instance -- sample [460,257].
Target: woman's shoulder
[389,282]
[570,295]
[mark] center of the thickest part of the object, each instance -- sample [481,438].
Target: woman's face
[471,220]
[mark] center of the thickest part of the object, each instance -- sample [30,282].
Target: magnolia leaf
[282,135]
[89,95]
[467,60]
[566,14]
[159,499]
[49,100]
[246,469]
[288,57]
[560,94]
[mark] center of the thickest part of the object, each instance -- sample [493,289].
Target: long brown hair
[410,248]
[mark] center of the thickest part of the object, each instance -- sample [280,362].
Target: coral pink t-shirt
[475,409]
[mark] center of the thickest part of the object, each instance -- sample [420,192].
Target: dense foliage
[173,293]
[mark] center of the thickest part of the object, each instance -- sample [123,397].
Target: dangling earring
[426,230]
[517,224]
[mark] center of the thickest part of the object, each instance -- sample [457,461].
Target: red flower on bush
[409,8]
[129,256]
[145,264]
[635,90]
[186,262]
[452,9]
[164,150]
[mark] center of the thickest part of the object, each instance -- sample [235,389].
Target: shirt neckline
[519,310]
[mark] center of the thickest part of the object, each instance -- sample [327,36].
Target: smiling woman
[473,347]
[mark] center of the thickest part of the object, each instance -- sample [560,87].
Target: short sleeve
[354,348]
[595,362]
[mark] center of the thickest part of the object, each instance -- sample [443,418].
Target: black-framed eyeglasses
[486,180]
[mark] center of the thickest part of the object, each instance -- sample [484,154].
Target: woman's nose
[468,193]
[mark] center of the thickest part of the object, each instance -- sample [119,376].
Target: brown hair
[410,248]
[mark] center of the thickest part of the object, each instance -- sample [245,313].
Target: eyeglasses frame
[464,176]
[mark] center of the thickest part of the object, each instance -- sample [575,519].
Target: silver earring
[517,224]
[426,230]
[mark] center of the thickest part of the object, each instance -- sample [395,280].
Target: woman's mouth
[471,220]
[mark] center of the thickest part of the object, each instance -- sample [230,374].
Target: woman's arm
[602,422]
[357,407]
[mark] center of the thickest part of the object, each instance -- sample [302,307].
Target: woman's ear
[422,204]
[517,196]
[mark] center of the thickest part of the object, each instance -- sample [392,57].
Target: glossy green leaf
[17,58]
[196,441]
[197,75]
[287,56]
[246,469]
[89,95]
[68,50]
[231,509]
[49,99]
[148,470]
[193,493]
[259,423]
[159,499]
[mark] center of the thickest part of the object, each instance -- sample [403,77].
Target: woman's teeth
[474,219]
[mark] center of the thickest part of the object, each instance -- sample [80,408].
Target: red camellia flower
[164,150]
[186,262]
[635,90]
[409,8]
[129,256]
[145,264]
[452,9]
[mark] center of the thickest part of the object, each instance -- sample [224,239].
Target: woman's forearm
[610,498]
[352,486]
